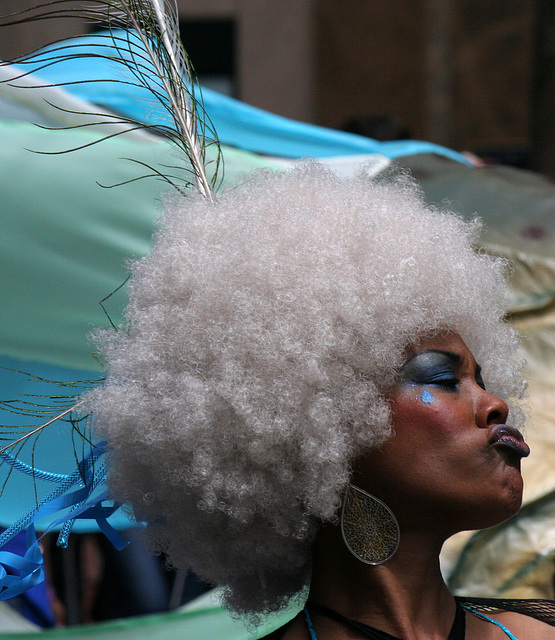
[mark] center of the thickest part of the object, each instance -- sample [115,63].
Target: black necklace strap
[543,610]
[457,630]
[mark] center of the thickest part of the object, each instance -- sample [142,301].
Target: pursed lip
[508,437]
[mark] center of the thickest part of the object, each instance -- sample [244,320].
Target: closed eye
[450,383]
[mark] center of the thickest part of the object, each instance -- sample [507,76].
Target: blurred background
[476,76]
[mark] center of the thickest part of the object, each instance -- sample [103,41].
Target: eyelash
[448,383]
[452,383]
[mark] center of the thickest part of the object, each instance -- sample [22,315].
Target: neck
[405,597]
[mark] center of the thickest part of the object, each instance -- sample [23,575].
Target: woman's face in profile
[451,459]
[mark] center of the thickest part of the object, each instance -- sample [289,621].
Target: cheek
[425,410]
[439,417]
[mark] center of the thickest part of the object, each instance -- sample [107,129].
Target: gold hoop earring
[369,528]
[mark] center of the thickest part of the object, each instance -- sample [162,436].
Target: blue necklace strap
[313,635]
[488,619]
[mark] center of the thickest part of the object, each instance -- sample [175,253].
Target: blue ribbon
[28,570]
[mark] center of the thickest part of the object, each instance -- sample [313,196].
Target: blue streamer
[20,573]
[80,474]
[32,471]
[63,538]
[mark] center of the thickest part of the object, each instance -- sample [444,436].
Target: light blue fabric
[21,492]
[63,246]
[237,124]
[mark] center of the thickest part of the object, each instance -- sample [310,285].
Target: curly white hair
[264,330]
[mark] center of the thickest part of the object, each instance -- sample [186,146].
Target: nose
[492,410]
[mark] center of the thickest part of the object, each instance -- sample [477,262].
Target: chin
[500,507]
[491,504]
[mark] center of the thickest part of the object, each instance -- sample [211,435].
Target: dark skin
[440,474]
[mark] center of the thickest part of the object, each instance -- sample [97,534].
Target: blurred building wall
[457,72]
[543,94]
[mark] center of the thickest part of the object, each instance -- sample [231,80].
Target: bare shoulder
[523,627]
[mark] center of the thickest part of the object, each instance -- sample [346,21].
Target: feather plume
[145,34]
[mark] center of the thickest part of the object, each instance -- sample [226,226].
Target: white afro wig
[264,331]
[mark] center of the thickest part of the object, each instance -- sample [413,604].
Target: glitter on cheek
[427,397]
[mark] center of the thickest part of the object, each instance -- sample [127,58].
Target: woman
[296,403]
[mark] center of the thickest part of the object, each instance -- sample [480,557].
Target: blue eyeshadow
[432,367]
